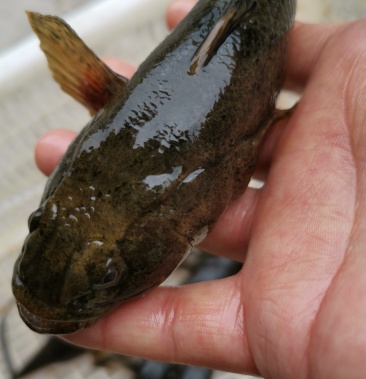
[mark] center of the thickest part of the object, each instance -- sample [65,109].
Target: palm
[301,286]
[296,309]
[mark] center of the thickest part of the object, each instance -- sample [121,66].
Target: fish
[163,156]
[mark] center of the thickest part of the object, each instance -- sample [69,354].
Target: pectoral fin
[235,13]
[75,67]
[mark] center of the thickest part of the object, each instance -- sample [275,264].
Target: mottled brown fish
[164,155]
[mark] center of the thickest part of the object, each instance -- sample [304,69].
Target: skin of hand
[297,309]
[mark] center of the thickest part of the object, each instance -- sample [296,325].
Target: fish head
[69,275]
[66,277]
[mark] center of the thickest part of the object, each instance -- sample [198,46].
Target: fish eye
[34,219]
[110,278]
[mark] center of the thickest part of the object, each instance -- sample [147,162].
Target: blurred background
[30,104]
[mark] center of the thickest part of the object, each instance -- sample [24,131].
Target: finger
[230,234]
[269,145]
[177,11]
[307,41]
[121,67]
[155,327]
[51,147]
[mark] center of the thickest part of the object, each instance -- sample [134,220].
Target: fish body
[150,174]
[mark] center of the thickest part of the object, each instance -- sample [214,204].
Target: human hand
[297,308]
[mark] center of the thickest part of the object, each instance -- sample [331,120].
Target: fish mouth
[47,326]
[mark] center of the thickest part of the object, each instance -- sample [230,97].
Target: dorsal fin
[75,67]
[235,13]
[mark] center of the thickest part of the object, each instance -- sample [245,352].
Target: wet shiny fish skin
[150,174]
